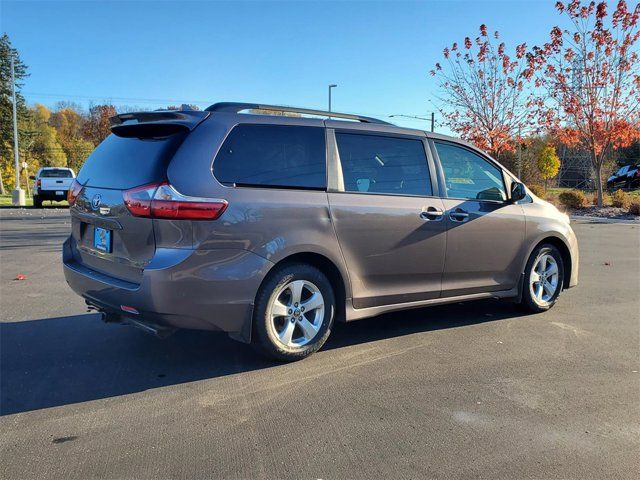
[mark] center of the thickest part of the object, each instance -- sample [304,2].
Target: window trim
[486,158]
[267,186]
[334,167]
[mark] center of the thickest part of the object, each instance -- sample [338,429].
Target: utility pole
[333,85]
[17,196]
[432,119]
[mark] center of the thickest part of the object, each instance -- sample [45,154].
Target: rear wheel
[294,312]
[37,201]
[544,278]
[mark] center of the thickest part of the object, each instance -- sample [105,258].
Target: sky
[153,54]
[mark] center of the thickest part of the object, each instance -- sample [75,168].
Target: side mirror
[518,192]
[32,177]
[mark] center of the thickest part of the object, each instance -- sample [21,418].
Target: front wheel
[543,280]
[294,312]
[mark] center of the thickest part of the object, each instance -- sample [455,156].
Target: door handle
[431,213]
[458,215]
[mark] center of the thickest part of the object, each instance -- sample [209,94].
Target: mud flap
[244,335]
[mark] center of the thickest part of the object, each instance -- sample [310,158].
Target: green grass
[5,201]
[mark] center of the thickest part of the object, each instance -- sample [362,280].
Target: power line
[111,97]
[162,100]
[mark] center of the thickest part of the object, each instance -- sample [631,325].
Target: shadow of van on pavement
[59,361]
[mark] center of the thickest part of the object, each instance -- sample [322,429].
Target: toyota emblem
[95,201]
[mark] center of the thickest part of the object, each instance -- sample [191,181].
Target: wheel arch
[326,266]
[563,248]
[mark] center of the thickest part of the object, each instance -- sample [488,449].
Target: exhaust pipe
[154,329]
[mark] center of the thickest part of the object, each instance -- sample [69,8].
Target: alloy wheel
[297,313]
[544,279]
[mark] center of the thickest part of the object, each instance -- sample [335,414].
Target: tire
[283,329]
[535,296]
[37,202]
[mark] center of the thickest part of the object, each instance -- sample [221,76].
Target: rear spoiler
[156,124]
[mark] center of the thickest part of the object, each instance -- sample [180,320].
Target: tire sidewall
[267,295]
[527,297]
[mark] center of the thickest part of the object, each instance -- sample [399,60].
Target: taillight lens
[74,191]
[138,200]
[164,201]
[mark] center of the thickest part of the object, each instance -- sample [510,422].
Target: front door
[485,232]
[390,228]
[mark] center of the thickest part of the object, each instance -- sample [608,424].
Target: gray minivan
[272,227]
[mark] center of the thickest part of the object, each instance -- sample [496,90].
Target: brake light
[164,201]
[138,200]
[38,183]
[74,191]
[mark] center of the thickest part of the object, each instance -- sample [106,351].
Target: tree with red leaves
[483,92]
[587,80]
[97,126]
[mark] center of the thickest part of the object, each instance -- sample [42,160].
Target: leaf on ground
[20,277]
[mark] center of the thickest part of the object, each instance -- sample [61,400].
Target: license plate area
[102,239]
[59,192]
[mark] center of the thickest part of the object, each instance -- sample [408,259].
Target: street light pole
[17,197]
[330,87]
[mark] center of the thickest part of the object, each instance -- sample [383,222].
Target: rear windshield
[123,163]
[56,173]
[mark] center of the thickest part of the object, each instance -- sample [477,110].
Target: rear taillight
[138,200]
[74,191]
[38,183]
[164,201]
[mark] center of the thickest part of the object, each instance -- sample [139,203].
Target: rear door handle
[458,215]
[431,213]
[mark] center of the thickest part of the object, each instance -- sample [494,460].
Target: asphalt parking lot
[475,390]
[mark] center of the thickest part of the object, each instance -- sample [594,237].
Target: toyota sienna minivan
[271,228]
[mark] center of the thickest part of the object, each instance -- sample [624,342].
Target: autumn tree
[483,91]
[548,164]
[46,148]
[588,80]
[69,124]
[96,126]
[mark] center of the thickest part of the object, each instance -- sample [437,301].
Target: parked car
[51,183]
[627,177]
[271,228]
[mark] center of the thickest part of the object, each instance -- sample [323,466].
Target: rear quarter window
[56,173]
[273,156]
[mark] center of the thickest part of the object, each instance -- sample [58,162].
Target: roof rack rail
[235,107]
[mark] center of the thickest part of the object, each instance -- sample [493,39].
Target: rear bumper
[180,288]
